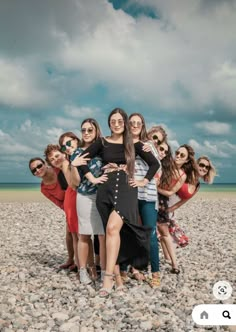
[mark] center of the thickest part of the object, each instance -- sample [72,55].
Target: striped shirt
[149,192]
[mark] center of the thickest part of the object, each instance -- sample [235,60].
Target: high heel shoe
[105,291]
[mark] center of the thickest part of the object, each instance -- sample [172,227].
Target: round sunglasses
[156,139]
[66,145]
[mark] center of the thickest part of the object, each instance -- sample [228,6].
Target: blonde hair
[156,129]
[209,177]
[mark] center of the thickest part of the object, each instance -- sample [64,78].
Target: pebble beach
[36,296]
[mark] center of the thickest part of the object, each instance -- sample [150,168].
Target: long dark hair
[169,169]
[97,128]
[190,167]
[143,136]
[127,140]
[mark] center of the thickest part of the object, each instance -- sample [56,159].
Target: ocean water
[215,187]
[218,187]
[20,186]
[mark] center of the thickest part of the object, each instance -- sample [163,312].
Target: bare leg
[102,251]
[167,239]
[164,249]
[75,247]
[69,245]
[112,246]
[83,247]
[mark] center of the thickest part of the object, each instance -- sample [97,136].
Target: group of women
[115,190]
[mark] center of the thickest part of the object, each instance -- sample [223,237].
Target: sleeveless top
[183,192]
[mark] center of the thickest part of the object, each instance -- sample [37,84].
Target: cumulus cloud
[183,59]
[81,112]
[220,149]
[19,87]
[214,127]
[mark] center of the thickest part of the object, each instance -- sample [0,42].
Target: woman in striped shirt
[147,195]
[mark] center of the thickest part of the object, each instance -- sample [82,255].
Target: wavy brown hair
[127,140]
[190,167]
[50,148]
[97,128]
[143,136]
[71,135]
[209,177]
[169,169]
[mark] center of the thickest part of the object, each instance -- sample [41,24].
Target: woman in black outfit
[126,241]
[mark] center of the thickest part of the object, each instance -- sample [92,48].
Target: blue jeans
[148,215]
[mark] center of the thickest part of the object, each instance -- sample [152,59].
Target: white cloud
[81,112]
[214,127]
[19,87]
[183,60]
[220,149]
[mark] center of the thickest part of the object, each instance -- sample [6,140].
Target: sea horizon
[34,186]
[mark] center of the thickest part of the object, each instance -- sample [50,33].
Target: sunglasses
[163,149]
[207,167]
[120,122]
[180,154]
[86,130]
[156,138]
[66,145]
[34,170]
[136,124]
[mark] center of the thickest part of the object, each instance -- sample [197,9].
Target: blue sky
[62,61]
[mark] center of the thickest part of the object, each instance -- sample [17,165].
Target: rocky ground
[36,296]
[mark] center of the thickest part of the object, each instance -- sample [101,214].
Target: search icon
[226,314]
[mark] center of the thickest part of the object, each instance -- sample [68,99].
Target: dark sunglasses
[163,149]
[67,144]
[136,124]
[34,170]
[156,138]
[182,155]
[207,167]
[86,130]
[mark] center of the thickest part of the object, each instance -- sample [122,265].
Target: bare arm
[75,177]
[174,189]
[177,205]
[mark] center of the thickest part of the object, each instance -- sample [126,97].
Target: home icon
[204,315]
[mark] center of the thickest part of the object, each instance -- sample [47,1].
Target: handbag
[178,234]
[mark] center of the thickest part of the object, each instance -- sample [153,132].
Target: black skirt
[116,194]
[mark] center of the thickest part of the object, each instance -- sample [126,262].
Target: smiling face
[89,133]
[69,145]
[203,167]
[156,137]
[162,150]
[56,158]
[38,168]
[136,125]
[181,156]
[117,124]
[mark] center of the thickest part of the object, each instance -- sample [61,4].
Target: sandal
[66,266]
[121,289]
[124,276]
[137,275]
[174,270]
[155,281]
[92,272]
[105,292]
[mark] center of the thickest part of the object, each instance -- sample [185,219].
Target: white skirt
[90,222]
